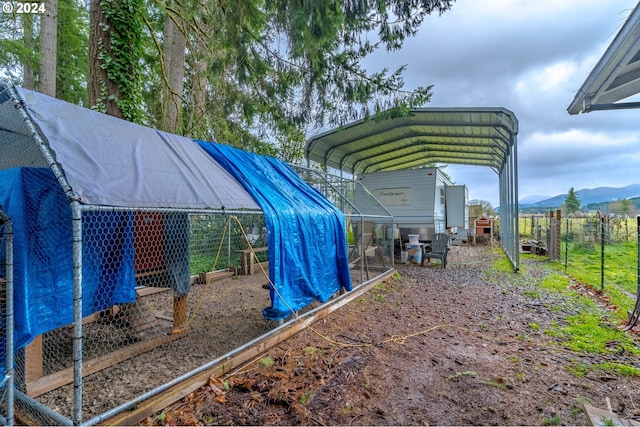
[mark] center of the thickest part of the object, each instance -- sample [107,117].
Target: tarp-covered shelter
[296,258]
[69,163]
[482,136]
[616,76]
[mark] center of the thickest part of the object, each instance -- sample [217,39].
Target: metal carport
[481,136]
[616,76]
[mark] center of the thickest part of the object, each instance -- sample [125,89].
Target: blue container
[415,253]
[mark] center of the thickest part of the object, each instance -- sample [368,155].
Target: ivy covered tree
[571,202]
[115,54]
[257,74]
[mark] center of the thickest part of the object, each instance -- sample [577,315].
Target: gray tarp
[112,162]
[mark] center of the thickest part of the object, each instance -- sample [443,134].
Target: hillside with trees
[622,201]
[261,75]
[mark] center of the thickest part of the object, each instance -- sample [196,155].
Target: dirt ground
[459,346]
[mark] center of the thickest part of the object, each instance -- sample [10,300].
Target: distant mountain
[529,200]
[588,196]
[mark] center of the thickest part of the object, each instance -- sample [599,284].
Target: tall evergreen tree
[72,55]
[571,202]
[257,74]
[115,55]
[270,70]
[174,50]
[48,48]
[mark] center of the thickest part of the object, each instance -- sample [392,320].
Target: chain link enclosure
[157,295]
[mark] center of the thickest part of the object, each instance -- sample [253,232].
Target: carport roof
[616,76]
[480,136]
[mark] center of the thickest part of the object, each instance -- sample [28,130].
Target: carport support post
[638,246]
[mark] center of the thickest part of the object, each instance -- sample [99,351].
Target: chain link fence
[189,306]
[116,305]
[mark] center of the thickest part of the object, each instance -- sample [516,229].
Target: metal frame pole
[9,318]
[76,218]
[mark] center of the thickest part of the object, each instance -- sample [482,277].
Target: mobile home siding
[415,197]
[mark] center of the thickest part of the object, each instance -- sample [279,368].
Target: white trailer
[415,197]
[457,206]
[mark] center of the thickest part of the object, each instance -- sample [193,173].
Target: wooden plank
[150,273]
[204,278]
[157,403]
[254,250]
[65,376]
[602,417]
[148,290]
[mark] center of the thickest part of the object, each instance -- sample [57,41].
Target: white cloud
[530,57]
[546,81]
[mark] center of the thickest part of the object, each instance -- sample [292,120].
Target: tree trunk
[198,110]
[102,93]
[27,67]
[174,53]
[48,45]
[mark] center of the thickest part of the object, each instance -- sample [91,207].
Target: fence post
[566,247]
[549,239]
[638,246]
[533,228]
[626,226]
[9,318]
[602,254]
[558,240]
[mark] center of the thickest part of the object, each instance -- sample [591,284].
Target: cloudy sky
[530,57]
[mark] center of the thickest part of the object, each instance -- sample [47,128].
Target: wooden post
[551,237]
[179,312]
[33,360]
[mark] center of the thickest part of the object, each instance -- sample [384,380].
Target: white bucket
[404,256]
[393,233]
[414,239]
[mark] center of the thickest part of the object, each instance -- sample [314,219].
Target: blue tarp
[43,261]
[306,242]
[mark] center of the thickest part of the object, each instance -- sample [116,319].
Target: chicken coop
[118,242]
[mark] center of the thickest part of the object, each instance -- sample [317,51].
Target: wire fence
[599,250]
[585,231]
[186,297]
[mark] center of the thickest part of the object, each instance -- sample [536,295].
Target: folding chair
[439,249]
